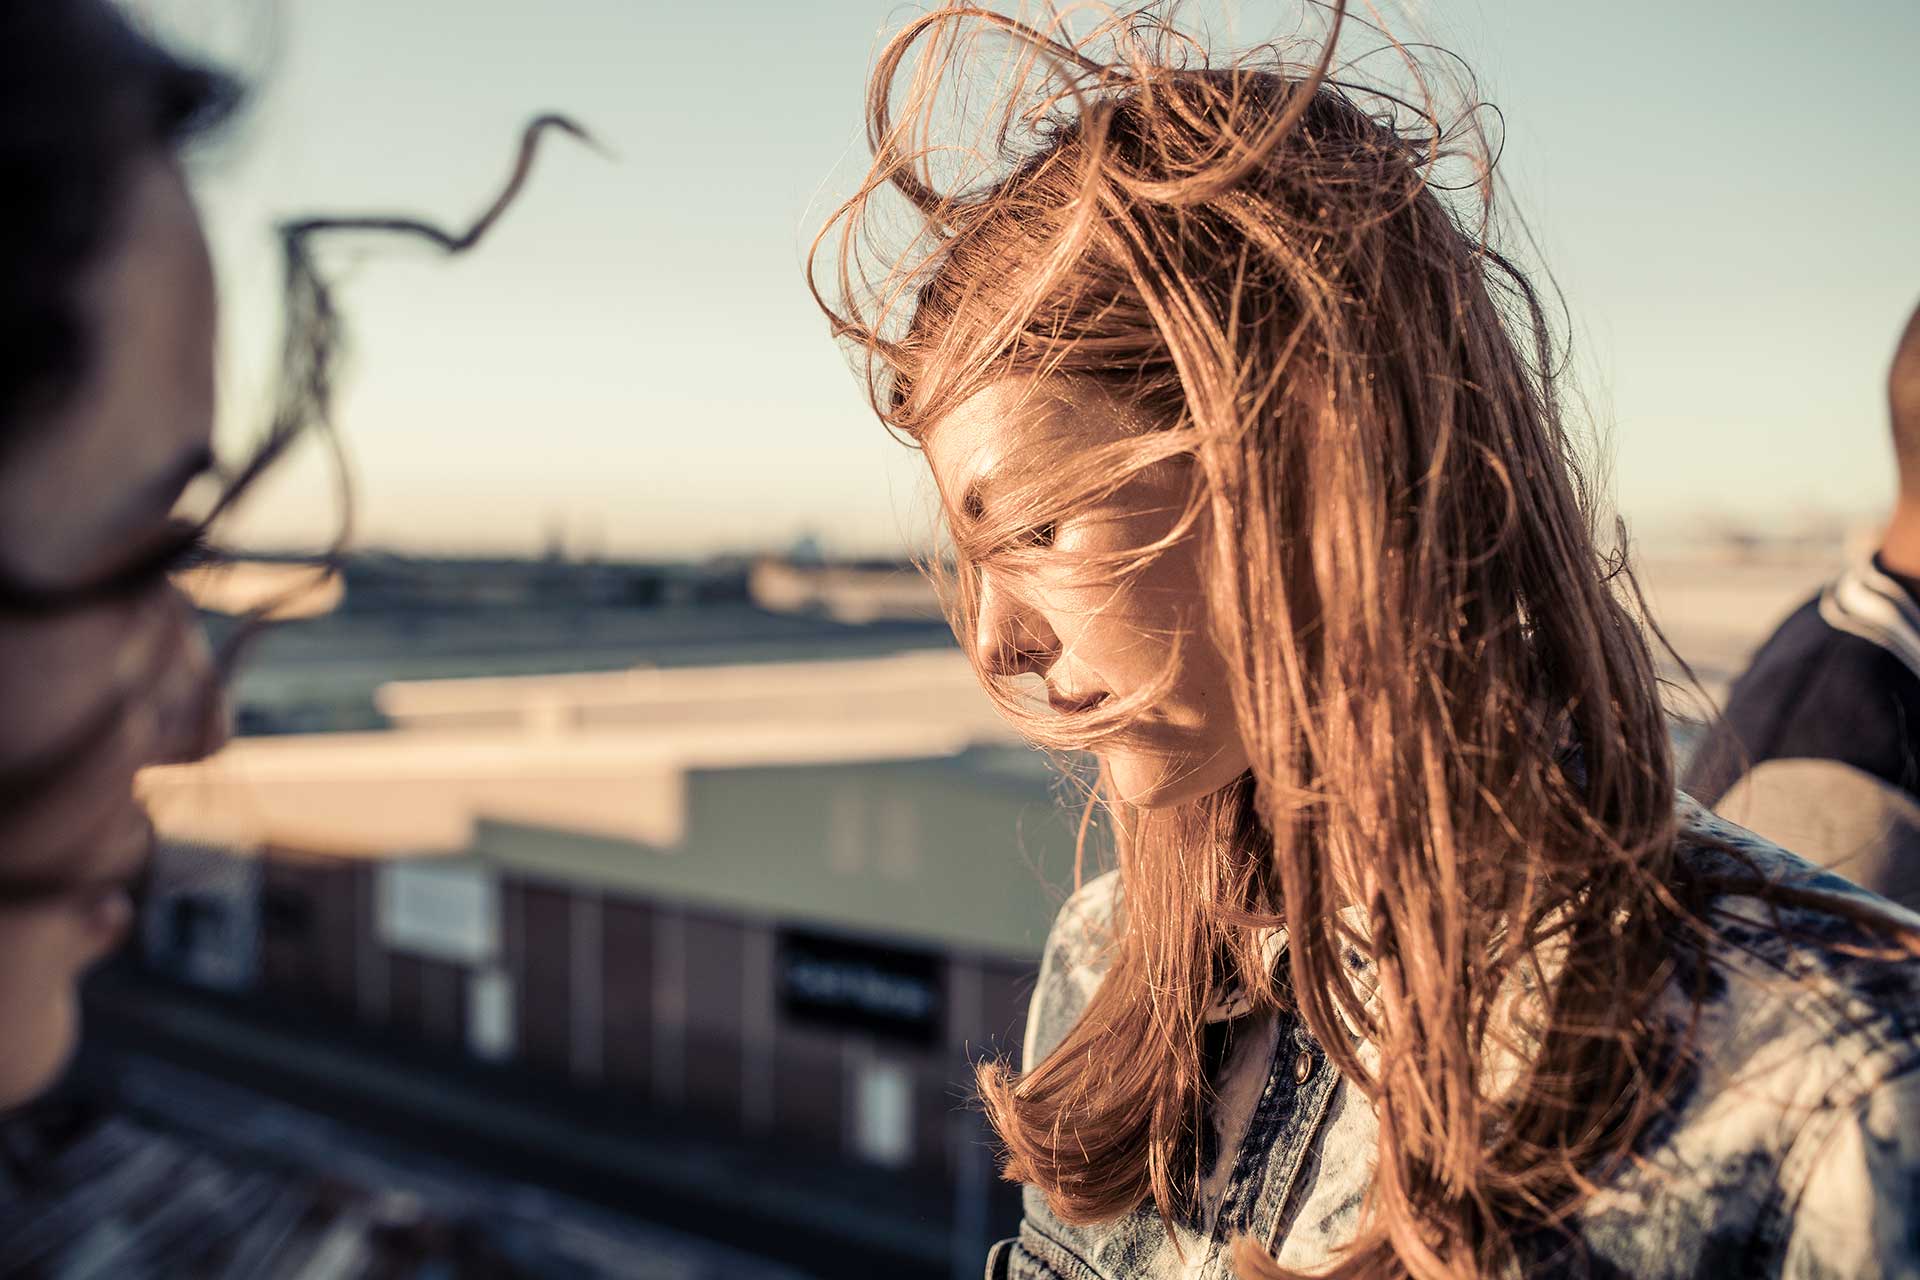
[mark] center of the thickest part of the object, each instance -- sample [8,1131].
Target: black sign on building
[889,991]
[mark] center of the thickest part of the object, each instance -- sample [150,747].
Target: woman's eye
[1041,535]
[1036,538]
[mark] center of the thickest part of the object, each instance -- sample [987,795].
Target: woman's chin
[1153,782]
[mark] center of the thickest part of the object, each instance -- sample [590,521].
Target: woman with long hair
[1254,449]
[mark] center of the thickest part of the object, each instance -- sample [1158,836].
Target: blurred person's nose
[1012,636]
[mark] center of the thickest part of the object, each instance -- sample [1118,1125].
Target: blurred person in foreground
[107,329]
[1252,451]
[107,319]
[1819,744]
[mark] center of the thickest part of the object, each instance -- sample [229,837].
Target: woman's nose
[1013,637]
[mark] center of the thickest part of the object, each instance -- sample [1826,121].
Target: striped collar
[1864,601]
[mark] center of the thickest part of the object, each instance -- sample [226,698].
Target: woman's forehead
[106,465]
[1016,424]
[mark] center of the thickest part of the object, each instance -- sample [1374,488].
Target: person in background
[1818,747]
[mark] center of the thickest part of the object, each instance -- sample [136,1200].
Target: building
[854,592]
[793,901]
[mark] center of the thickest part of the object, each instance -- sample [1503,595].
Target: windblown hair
[81,96]
[1459,764]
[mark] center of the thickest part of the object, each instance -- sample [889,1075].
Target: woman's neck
[1899,552]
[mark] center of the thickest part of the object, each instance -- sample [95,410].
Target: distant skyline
[1728,207]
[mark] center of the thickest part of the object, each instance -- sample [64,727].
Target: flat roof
[922,685]
[360,794]
[957,853]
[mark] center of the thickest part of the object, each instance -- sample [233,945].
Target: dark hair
[82,95]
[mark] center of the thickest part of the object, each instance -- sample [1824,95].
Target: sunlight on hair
[1281,254]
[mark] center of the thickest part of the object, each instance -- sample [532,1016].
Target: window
[883,1113]
[490,1014]
[447,909]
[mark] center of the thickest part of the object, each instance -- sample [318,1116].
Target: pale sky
[1728,196]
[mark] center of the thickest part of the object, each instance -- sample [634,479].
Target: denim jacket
[1789,1148]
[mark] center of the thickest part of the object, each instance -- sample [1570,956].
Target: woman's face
[1088,641]
[89,488]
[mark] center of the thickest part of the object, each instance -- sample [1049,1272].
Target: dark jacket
[1819,747]
[1839,680]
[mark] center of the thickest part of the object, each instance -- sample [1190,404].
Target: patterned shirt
[1789,1147]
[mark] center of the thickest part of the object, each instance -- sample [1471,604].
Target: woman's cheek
[51,677]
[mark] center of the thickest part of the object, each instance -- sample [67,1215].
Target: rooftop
[879,795]
[941,852]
